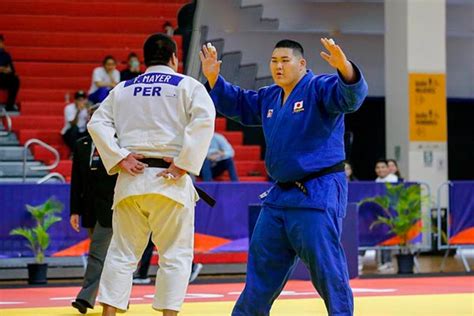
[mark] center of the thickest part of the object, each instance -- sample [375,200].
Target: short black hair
[159,49]
[108,57]
[295,46]
[132,55]
[381,160]
[2,38]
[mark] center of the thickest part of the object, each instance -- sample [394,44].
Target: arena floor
[442,296]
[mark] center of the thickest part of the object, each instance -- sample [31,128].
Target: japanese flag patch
[298,107]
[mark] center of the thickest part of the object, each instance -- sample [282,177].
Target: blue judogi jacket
[304,135]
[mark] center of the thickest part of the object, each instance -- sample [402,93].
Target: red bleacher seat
[51,137]
[247,152]
[69,83]
[56,44]
[73,54]
[234,138]
[64,167]
[42,108]
[106,24]
[221,124]
[44,155]
[37,122]
[57,69]
[37,38]
[3,96]
[61,7]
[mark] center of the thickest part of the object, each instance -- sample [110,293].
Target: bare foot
[108,310]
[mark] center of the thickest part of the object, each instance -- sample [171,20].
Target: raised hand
[337,59]
[211,67]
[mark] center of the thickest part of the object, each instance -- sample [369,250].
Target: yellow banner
[427,97]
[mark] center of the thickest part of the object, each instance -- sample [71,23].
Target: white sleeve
[69,113]
[102,130]
[97,76]
[116,76]
[198,133]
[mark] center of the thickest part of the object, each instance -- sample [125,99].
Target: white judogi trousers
[172,228]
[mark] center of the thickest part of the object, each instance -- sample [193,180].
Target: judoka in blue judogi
[303,122]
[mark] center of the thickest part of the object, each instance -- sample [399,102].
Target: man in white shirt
[152,130]
[75,119]
[383,173]
[219,159]
[104,79]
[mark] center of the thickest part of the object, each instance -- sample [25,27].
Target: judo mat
[443,296]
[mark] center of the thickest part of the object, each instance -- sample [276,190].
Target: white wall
[357,25]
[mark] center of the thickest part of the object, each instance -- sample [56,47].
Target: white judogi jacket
[158,114]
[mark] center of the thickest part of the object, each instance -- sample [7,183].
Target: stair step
[15,169]
[10,140]
[13,153]
[27,180]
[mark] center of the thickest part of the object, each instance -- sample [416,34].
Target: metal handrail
[427,221]
[440,231]
[43,144]
[4,113]
[51,176]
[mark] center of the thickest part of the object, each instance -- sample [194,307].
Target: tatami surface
[446,296]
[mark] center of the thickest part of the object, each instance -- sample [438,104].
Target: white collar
[160,68]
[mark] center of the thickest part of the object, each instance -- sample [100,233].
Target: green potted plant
[401,207]
[38,237]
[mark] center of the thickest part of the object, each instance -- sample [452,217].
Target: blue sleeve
[236,103]
[340,97]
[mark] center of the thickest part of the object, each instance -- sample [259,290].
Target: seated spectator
[75,120]
[104,79]
[168,28]
[349,172]
[219,159]
[8,79]
[133,69]
[383,173]
[393,169]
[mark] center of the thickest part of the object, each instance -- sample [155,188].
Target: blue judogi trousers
[282,234]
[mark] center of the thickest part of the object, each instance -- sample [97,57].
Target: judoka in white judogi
[156,115]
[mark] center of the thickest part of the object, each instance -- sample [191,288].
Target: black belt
[160,163]
[300,183]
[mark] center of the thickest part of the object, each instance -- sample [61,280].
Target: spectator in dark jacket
[133,69]
[8,79]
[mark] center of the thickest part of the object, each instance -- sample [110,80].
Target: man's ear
[303,62]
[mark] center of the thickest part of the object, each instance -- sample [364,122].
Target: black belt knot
[300,184]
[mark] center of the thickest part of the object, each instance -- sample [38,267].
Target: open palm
[211,67]
[336,57]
